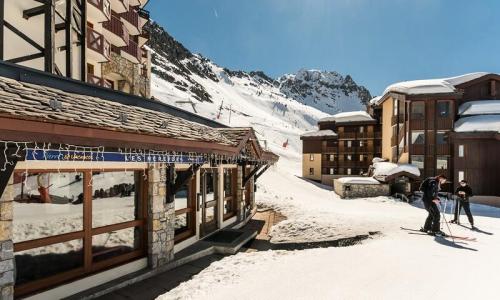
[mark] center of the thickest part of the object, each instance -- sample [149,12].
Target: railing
[116,26]
[131,16]
[102,5]
[443,149]
[98,43]
[133,49]
[444,123]
[347,135]
[92,79]
[143,13]
[330,149]
[107,84]
[417,149]
[417,124]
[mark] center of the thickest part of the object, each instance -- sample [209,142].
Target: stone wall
[161,221]
[130,73]
[6,244]
[353,190]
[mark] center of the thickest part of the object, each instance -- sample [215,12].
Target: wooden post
[2,18]
[83,39]
[69,38]
[49,36]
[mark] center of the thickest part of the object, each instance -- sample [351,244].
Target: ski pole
[447,225]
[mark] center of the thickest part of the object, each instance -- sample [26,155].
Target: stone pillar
[6,244]
[161,219]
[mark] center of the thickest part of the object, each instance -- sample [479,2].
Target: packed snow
[351,116]
[481,123]
[319,133]
[358,180]
[480,107]
[385,168]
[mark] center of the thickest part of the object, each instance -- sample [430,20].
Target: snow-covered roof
[387,169]
[375,100]
[430,86]
[358,180]
[480,107]
[478,123]
[351,116]
[319,133]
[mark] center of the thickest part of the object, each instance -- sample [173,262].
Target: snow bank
[358,180]
[351,116]
[319,133]
[384,168]
[478,123]
[480,107]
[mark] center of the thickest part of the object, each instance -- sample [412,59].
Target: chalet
[433,124]
[97,180]
[344,145]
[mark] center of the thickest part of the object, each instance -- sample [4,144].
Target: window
[311,171]
[418,110]
[441,138]
[361,143]
[348,157]
[49,228]
[332,157]
[229,192]
[418,137]
[461,175]
[348,171]
[332,171]
[311,157]
[185,210]
[361,129]
[90,69]
[442,162]
[361,157]
[349,144]
[461,151]
[443,109]
[418,160]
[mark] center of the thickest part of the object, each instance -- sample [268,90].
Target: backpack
[424,186]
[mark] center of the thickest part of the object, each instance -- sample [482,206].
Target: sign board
[94,156]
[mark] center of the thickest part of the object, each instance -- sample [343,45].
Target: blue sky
[378,42]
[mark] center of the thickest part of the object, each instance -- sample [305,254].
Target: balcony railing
[92,79]
[115,26]
[133,50]
[347,135]
[132,17]
[97,42]
[103,5]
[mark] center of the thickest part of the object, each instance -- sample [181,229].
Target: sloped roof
[480,123]
[479,107]
[319,133]
[20,100]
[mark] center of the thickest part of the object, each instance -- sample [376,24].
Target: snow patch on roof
[375,100]
[358,180]
[326,132]
[351,116]
[388,168]
[481,123]
[432,86]
[480,107]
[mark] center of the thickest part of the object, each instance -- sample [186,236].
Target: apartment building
[419,120]
[100,42]
[344,145]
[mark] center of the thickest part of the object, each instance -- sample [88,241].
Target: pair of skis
[461,238]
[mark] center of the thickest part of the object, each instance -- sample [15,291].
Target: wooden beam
[49,36]
[249,176]
[83,40]
[2,19]
[69,38]
[23,36]
[169,183]
[261,172]
[25,58]
[35,11]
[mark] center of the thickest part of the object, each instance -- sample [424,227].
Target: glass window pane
[418,160]
[442,162]
[443,108]
[441,138]
[182,222]
[461,151]
[228,182]
[115,243]
[210,214]
[46,261]
[418,110]
[47,204]
[417,137]
[211,186]
[114,196]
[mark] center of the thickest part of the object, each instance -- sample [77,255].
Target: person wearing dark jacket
[463,192]
[430,188]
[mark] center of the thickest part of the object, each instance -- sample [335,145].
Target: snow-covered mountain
[278,109]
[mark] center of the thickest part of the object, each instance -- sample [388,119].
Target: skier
[430,187]
[464,191]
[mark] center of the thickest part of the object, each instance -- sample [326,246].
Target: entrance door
[209,189]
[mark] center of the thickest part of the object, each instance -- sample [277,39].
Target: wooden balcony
[394,119]
[120,6]
[444,149]
[329,164]
[144,36]
[92,79]
[417,149]
[417,124]
[365,135]
[132,52]
[99,10]
[330,149]
[115,32]
[444,123]
[100,48]
[131,20]
[347,135]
